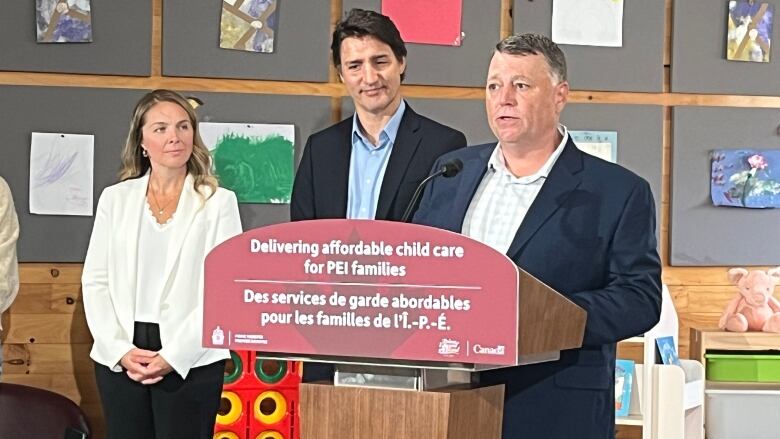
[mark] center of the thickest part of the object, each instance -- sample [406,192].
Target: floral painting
[63,21]
[745,178]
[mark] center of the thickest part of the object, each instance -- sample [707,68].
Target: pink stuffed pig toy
[754,308]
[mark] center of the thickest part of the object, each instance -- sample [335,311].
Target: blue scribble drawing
[63,21]
[55,167]
[61,174]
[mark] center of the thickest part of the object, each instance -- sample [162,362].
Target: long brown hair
[135,165]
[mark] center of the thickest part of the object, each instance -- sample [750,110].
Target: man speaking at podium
[368,165]
[583,226]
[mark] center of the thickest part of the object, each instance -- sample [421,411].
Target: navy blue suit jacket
[321,184]
[320,190]
[589,234]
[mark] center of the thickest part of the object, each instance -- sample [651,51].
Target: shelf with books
[671,405]
[629,420]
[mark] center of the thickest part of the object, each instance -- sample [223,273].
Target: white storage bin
[742,410]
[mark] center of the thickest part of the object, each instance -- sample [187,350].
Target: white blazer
[110,272]
[9,233]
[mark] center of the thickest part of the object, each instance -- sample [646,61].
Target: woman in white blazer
[143,278]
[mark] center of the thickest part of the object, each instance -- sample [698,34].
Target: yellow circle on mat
[270,435]
[235,410]
[225,435]
[267,413]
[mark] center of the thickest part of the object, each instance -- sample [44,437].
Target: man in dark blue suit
[583,226]
[368,165]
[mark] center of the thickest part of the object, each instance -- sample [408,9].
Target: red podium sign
[357,288]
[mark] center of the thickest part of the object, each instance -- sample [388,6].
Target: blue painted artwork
[745,178]
[668,351]
[63,21]
[624,377]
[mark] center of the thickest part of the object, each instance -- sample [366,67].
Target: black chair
[32,413]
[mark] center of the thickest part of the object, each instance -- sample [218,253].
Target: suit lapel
[560,183]
[130,214]
[470,177]
[407,140]
[186,211]
[335,206]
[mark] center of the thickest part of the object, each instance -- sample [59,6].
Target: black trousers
[172,408]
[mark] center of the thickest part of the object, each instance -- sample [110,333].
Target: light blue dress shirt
[367,166]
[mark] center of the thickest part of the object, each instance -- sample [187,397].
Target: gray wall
[637,66]
[701,233]
[191,43]
[121,41]
[699,62]
[106,113]
[446,65]
[639,138]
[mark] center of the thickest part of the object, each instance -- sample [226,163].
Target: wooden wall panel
[45,337]
[46,328]
[47,298]
[47,358]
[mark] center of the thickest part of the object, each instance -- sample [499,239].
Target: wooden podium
[378,293]
[549,323]
[330,412]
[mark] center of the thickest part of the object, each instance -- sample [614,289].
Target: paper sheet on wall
[588,22]
[602,144]
[256,161]
[61,170]
[426,21]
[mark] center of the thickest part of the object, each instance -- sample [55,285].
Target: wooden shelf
[743,387]
[630,420]
[703,340]
[638,339]
[668,401]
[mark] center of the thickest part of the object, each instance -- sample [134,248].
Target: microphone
[448,169]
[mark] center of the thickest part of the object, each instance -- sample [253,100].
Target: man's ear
[561,95]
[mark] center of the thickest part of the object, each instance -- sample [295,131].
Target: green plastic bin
[758,368]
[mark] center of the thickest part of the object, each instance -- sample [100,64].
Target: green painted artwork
[253,160]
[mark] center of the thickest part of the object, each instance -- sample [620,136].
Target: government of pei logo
[218,336]
[448,347]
